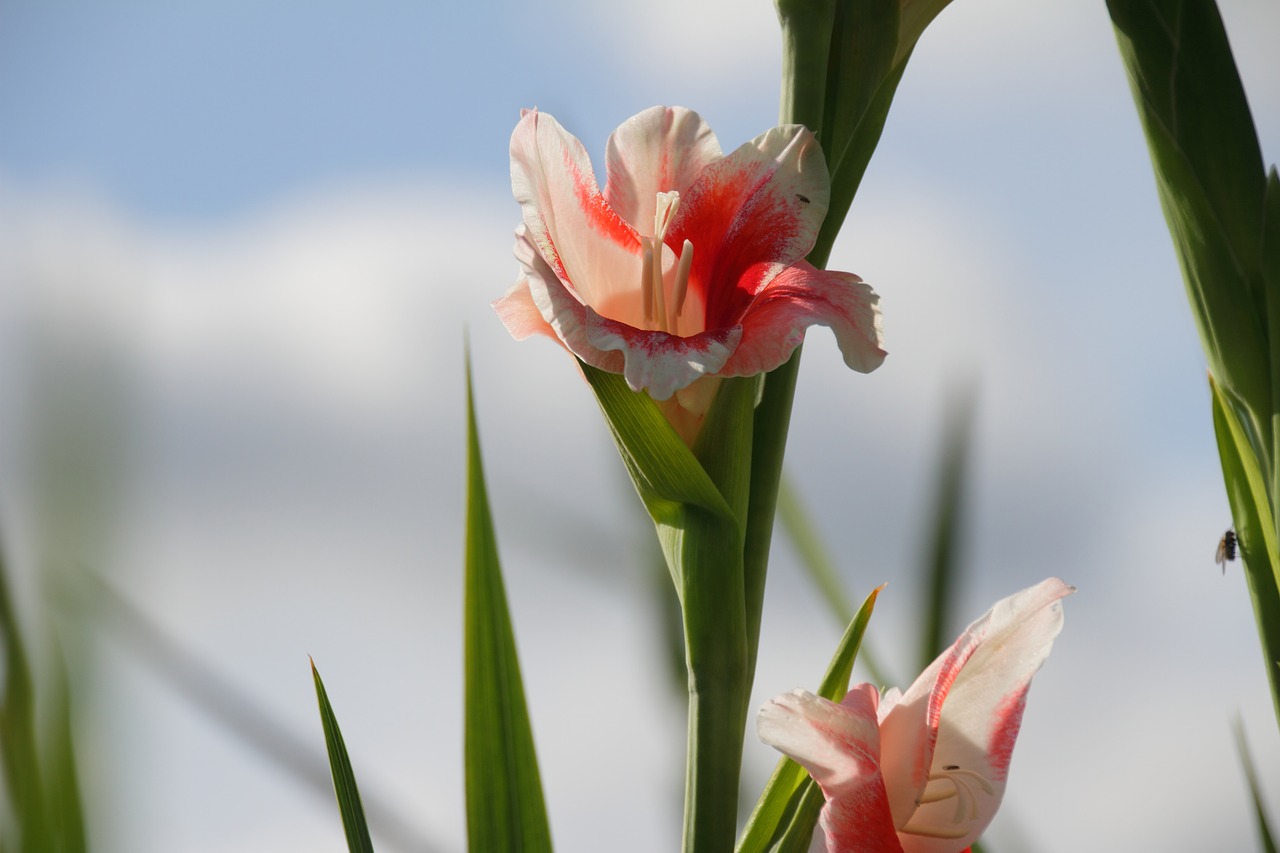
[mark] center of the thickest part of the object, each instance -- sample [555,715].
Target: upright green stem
[715,649]
[713,603]
[806,44]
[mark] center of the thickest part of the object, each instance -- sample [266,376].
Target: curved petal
[801,296]
[519,313]
[840,747]
[565,316]
[762,205]
[658,150]
[949,740]
[584,242]
[660,363]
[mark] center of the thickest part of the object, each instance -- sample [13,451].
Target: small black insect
[803,198]
[1226,550]
[952,767]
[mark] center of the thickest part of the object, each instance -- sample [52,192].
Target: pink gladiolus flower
[923,771]
[688,265]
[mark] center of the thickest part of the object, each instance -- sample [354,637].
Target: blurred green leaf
[787,811]
[817,562]
[1255,530]
[37,747]
[19,750]
[344,778]
[1255,790]
[943,567]
[505,808]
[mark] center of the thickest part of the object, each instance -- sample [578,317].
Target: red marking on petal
[1004,732]
[600,216]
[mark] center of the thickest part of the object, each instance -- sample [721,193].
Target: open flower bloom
[688,265]
[923,771]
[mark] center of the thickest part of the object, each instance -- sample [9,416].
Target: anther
[681,289]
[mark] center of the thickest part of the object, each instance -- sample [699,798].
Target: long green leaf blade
[505,807]
[1250,508]
[1211,183]
[344,777]
[785,815]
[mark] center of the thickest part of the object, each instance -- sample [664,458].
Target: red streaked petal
[656,362]
[801,296]
[962,716]
[584,242]
[658,150]
[840,747]
[758,207]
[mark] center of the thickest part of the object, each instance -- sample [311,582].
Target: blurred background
[240,247]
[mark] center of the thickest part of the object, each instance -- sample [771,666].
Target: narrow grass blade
[787,811]
[505,808]
[344,778]
[1255,790]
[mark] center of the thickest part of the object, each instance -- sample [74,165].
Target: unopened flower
[688,266]
[923,771]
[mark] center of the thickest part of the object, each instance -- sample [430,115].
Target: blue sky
[240,243]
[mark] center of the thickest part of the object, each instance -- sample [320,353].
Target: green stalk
[712,599]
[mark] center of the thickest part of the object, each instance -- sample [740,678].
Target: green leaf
[1255,790]
[806,42]
[65,808]
[1255,529]
[666,473]
[19,748]
[505,808]
[1211,184]
[787,811]
[344,778]
[861,80]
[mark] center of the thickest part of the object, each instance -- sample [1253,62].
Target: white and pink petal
[655,151]
[839,744]
[960,719]
[801,296]
[582,239]
[754,209]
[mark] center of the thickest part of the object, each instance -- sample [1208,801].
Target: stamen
[646,282]
[681,289]
[659,298]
